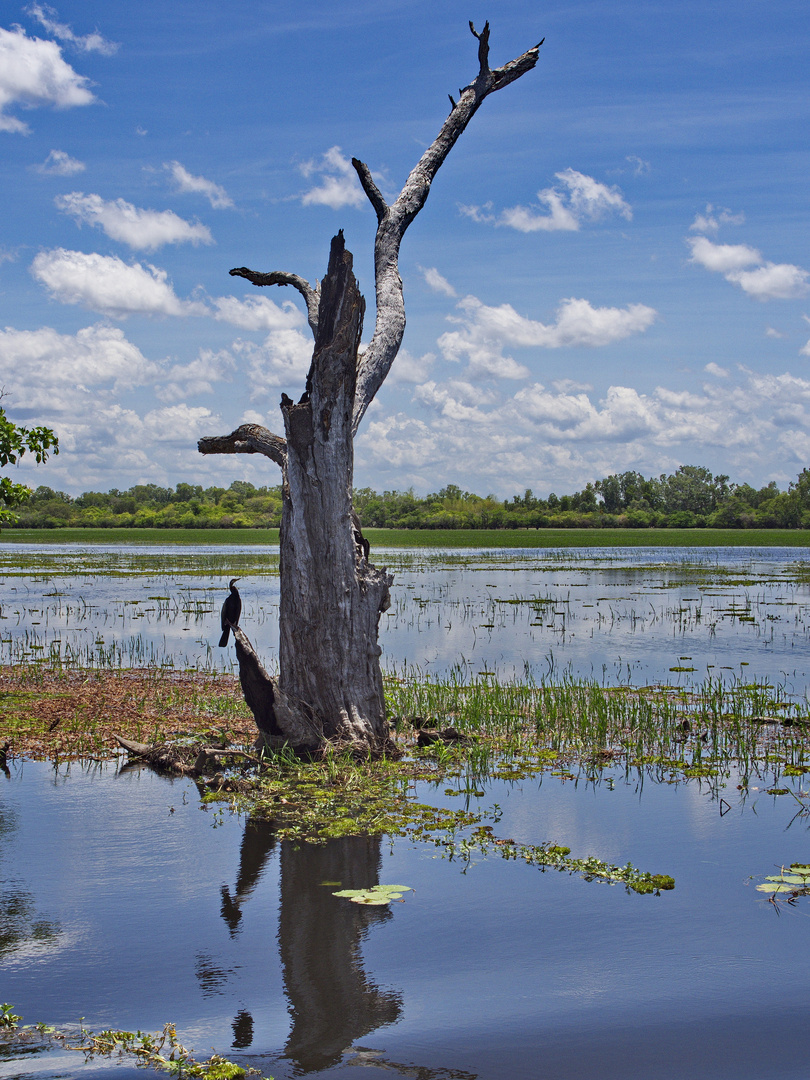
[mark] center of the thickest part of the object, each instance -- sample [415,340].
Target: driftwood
[330,680]
[180,759]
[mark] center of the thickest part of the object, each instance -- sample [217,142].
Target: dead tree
[330,681]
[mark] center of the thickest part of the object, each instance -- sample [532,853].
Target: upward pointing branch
[375,362]
[483,46]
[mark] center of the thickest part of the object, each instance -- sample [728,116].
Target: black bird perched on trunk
[231,610]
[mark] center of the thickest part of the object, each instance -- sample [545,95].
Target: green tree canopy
[14,442]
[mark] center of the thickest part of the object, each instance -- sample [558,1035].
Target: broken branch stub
[279,721]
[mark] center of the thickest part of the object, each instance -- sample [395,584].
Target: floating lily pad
[775,887]
[377,895]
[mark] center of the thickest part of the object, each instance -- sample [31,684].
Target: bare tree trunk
[331,596]
[330,682]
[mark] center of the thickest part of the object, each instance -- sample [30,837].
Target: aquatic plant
[376,895]
[8,1019]
[162,1051]
[788,885]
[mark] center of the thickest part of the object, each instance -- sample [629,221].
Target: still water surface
[126,901]
[135,906]
[620,616]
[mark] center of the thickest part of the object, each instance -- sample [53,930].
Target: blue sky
[612,270]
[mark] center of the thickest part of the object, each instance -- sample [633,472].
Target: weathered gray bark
[331,596]
[330,681]
[375,363]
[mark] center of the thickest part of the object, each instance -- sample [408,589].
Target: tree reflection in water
[331,1000]
[21,930]
[242,1030]
[258,840]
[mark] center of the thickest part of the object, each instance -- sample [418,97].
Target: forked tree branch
[280,277]
[483,47]
[247,439]
[392,222]
[372,191]
[375,362]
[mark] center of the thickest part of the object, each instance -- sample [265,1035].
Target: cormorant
[231,610]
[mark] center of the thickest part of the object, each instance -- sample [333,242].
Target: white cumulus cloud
[436,282]
[623,414]
[337,184]
[485,332]
[106,284]
[453,400]
[188,184]
[715,369]
[577,200]
[714,217]
[143,230]
[33,74]
[258,313]
[773,281]
[47,17]
[93,389]
[180,424]
[559,437]
[198,376]
[403,442]
[46,370]
[745,266]
[408,368]
[59,163]
[722,258]
[280,362]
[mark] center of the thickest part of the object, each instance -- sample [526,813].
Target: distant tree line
[690,498]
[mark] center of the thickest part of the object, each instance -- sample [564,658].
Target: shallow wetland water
[129,902]
[620,616]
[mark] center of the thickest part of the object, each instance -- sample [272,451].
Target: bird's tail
[223,641]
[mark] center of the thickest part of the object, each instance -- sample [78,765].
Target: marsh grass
[434,538]
[511,727]
[574,730]
[129,606]
[62,713]
[187,537]
[662,731]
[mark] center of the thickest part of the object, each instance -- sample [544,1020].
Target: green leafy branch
[15,441]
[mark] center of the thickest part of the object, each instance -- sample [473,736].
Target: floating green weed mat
[377,895]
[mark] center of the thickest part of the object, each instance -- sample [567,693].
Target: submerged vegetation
[689,498]
[161,1051]
[453,738]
